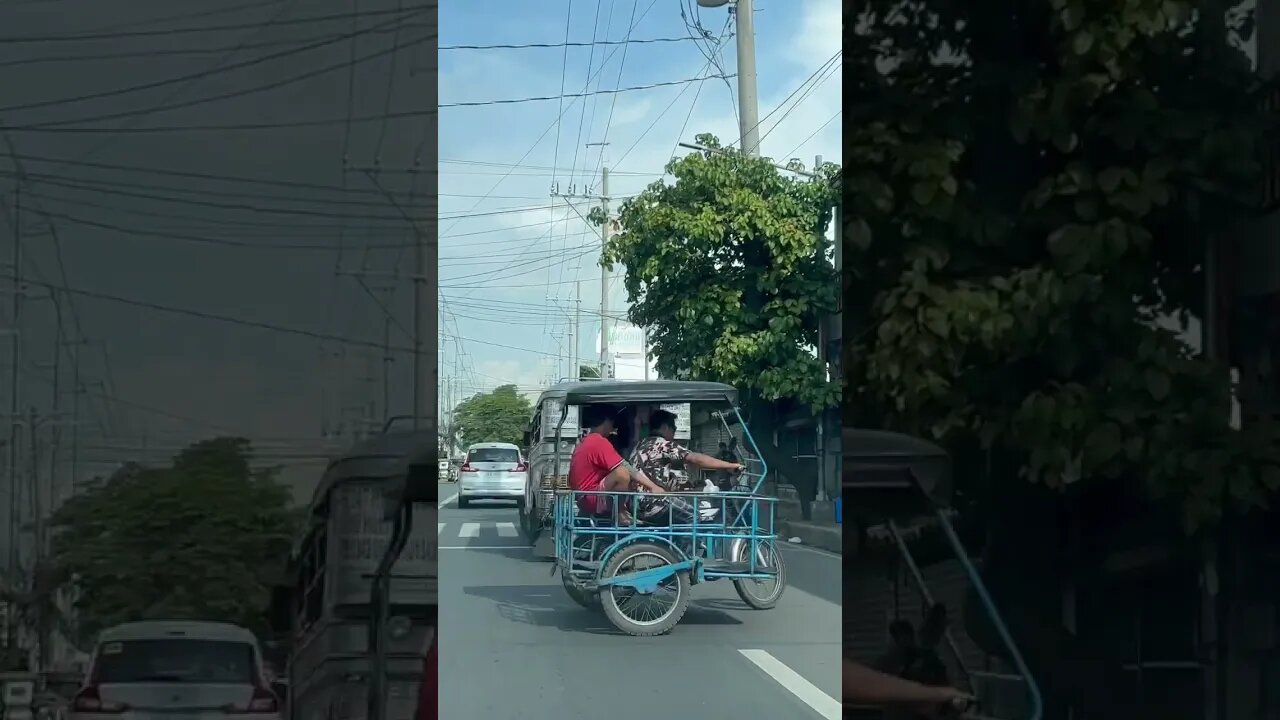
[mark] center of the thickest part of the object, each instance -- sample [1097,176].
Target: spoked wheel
[644,614]
[583,547]
[761,594]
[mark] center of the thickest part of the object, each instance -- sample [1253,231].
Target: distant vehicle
[492,471]
[443,470]
[175,669]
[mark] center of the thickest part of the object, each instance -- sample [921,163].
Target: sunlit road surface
[514,646]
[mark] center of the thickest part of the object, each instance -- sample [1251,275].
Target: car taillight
[263,701]
[88,700]
[522,467]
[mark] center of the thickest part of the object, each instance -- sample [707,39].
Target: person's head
[600,418]
[663,424]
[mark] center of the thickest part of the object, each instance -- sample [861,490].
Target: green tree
[204,538]
[1030,194]
[1019,217]
[499,416]
[731,271]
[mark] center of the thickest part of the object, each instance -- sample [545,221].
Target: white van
[175,669]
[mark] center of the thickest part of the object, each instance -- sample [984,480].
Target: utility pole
[55,404]
[603,197]
[574,330]
[748,103]
[644,350]
[604,274]
[15,359]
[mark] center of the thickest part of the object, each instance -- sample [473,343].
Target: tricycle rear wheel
[626,607]
[588,600]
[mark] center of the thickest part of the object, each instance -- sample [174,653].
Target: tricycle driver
[658,457]
[596,467]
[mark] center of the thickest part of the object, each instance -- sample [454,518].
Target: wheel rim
[765,558]
[642,609]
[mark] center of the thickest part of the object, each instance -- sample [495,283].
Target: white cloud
[626,113]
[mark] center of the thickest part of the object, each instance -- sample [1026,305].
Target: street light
[745,28]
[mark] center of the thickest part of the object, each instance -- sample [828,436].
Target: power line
[193,175]
[554,124]
[566,44]
[287,125]
[226,319]
[82,37]
[212,98]
[229,242]
[592,93]
[178,51]
[245,207]
[71,182]
[802,86]
[564,68]
[812,135]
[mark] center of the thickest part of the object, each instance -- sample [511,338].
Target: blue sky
[509,253]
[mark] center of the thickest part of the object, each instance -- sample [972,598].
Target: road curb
[827,536]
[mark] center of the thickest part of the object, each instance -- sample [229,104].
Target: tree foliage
[1030,197]
[204,538]
[731,270]
[499,416]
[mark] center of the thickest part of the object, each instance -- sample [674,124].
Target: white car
[176,670]
[492,471]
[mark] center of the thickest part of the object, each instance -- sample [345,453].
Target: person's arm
[865,686]
[706,462]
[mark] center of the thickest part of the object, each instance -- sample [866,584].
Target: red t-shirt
[592,461]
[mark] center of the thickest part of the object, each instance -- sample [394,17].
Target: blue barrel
[838,515]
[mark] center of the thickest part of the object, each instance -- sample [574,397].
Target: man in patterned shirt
[662,459]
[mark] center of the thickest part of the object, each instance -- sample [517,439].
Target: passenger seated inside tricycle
[658,470]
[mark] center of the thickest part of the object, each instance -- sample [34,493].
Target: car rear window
[177,660]
[494,455]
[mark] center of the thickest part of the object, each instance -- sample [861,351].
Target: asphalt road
[514,646]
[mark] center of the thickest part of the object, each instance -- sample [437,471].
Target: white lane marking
[439,528]
[470,530]
[484,547]
[506,529]
[809,694]
[448,500]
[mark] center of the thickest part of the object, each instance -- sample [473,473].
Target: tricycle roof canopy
[881,460]
[622,392]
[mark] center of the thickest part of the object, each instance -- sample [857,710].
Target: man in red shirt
[596,465]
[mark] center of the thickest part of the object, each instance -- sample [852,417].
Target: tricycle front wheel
[640,613]
[761,594]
